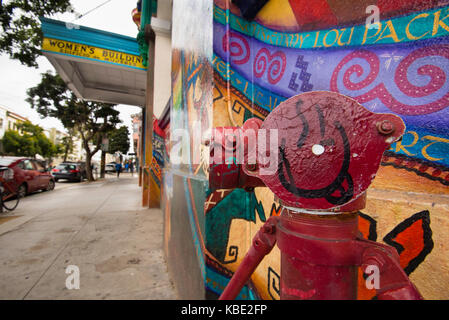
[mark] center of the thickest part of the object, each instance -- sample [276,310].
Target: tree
[67,146]
[30,142]
[42,145]
[20,31]
[93,120]
[119,140]
[16,145]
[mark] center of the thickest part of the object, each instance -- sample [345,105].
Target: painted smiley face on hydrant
[329,149]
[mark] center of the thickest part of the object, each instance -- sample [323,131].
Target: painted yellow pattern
[90,52]
[277,13]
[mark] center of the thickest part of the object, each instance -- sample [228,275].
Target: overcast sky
[15,79]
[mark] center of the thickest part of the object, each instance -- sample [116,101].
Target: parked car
[73,171]
[109,168]
[30,175]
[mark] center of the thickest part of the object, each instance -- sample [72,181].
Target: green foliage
[14,144]
[119,140]
[52,98]
[20,32]
[30,141]
[66,146]
[93,120]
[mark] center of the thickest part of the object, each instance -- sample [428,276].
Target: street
[99,228]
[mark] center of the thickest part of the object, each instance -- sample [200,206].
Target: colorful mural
[226,70]
[185,181]
[400,68]
[157,163]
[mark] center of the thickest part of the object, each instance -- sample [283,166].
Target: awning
[96,65]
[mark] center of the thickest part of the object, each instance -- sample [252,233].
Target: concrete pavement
[100,228]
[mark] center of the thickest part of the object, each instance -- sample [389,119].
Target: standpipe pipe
[262,245]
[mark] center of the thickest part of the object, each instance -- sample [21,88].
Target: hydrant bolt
[385,127]
[268,229]
[373,258]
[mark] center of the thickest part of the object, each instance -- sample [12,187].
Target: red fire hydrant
[318,152]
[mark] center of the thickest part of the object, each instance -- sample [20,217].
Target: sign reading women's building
[92,53]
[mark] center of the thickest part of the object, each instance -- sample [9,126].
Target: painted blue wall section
[88,36]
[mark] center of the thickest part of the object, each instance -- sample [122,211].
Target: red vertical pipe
[316,255]
[263,243]
[242,275]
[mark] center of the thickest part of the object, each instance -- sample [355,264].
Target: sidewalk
[98,227]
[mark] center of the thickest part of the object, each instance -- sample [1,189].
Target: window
[39,166]
[28,165]
[6,161]
[66,167]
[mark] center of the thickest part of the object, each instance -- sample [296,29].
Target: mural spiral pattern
[275,62]
[238,47]
[436,79]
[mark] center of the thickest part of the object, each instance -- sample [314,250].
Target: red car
[30,175]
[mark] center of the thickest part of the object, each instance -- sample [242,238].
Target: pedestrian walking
[131,167]
[118,168]
[126,166]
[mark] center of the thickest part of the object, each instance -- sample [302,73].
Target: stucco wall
[185,181]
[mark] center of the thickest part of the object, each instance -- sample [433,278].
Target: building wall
[54,135]
[13,119]
[161,90]
[3,121]
[185,182]
[137,128]
[162,72]
[8,121]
